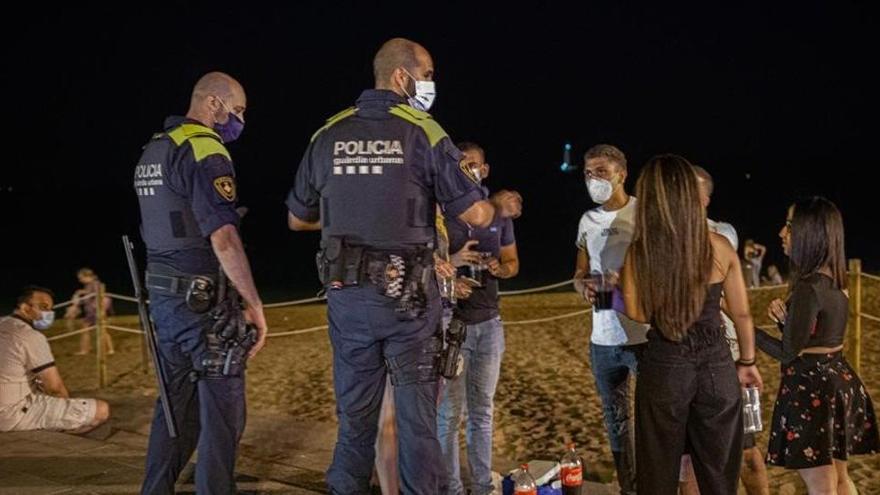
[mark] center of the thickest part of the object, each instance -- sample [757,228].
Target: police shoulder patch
[225,187]
[468,172]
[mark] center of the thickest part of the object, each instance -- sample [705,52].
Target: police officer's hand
[257,318]
[467,255]
[508,204]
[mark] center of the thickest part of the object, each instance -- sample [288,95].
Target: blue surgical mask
[45,320]
[231,130]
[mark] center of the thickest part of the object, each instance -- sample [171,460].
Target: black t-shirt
[483,303]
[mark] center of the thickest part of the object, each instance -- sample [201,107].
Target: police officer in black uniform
[370,180]
[185,183]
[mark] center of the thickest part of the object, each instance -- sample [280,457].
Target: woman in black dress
[823,413]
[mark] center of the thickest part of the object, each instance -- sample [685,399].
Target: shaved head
[216,84]
[706,178]
[214,96]
[400,53]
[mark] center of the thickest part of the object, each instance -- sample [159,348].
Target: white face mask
[425,94]
[600,189]
[45,321]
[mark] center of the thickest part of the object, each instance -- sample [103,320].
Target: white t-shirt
[24,352]
[606,236]
[726,230]
[729,232]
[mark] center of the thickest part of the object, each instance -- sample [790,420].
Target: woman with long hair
[688,392]
[822,413]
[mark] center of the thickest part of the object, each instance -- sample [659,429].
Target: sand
[546,395]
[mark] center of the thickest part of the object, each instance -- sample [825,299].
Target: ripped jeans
[612,366]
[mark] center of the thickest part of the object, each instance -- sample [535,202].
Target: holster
[230,337]
[339,264]
[453,339]
[398,274]
[199,291]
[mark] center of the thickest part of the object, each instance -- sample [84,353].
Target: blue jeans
[368,342]
[612,367]
[210,413]
[475,388]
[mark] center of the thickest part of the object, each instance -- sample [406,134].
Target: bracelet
[741,362]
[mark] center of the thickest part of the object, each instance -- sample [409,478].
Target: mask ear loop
[403,88]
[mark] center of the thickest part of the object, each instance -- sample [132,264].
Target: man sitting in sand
[32,393]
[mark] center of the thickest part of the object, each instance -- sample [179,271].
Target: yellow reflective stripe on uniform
[440,224]
[186,131]
[422,119]
[206,146]
[204,141]
[348,112]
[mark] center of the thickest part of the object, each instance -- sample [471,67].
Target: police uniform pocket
[418,214]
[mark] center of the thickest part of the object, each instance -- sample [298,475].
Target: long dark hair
[817,240]
[671,251]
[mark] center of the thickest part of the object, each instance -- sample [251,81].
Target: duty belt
[165,279]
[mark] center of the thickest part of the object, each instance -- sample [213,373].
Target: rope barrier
[123,329]
[120,296]
[323,298]
[870,317]
[71,334]
[768,287]
[298,332]
[549,318]
[535,289]
[295,303]
[75,300]
[871,277]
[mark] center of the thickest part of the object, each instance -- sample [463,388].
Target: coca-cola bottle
[523,483]
[572,472]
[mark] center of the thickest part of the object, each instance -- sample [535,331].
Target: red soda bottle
[572,471]
[523,483]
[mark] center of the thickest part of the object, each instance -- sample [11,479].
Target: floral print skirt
[822,412]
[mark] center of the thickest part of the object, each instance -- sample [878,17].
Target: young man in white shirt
[604,235]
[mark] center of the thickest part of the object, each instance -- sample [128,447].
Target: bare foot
[80,353]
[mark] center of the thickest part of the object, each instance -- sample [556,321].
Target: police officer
[185,183]
[370,180]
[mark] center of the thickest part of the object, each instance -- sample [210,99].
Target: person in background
[753,257]
[85,304]
[32,393]
[773,276]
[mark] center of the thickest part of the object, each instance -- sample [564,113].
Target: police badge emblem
[468,171]
[225,187]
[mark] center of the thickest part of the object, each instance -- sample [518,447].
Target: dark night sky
[776,101]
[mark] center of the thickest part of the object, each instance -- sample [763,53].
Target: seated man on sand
[32,393]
